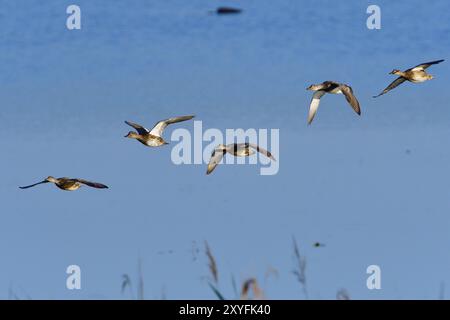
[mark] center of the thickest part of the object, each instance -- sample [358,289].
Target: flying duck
[68,184]
[334,88]
[237,150]
[152,138]
[415,75]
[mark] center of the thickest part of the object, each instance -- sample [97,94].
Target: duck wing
[32,185]
[140,129]
[263,151]
[425,65]
[91,184]
[161,125]
[315,101]
[393,85]
[351,99]
[216,157]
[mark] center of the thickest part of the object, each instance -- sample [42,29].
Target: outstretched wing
[92,184]
[393,85]
[32,185]
[161,125]
[216,157]
[140,129]
[315,101]
[268,154]
[425,65]
[351,99]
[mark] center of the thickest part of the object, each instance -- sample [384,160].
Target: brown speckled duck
[68,184]
[237,150]
[415,75]
[333,88]
[153,138]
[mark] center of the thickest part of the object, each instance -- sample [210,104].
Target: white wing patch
[158,128]
[419,68]
[161,125]
[314,105]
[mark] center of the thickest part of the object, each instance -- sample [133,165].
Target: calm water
[374,189]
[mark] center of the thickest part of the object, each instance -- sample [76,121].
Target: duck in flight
[153,138]
[415,75]
[68,184]
[334,88]
[237,150]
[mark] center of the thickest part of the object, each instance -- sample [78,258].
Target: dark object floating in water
[318,245]
[228,10]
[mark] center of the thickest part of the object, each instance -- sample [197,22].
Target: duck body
[415,76]
[67,184]
[149,140]
[152,141]
[327,86]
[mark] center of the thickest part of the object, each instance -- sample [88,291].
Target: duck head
[314,87]
[132,135]
[396,72]
[51,179]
